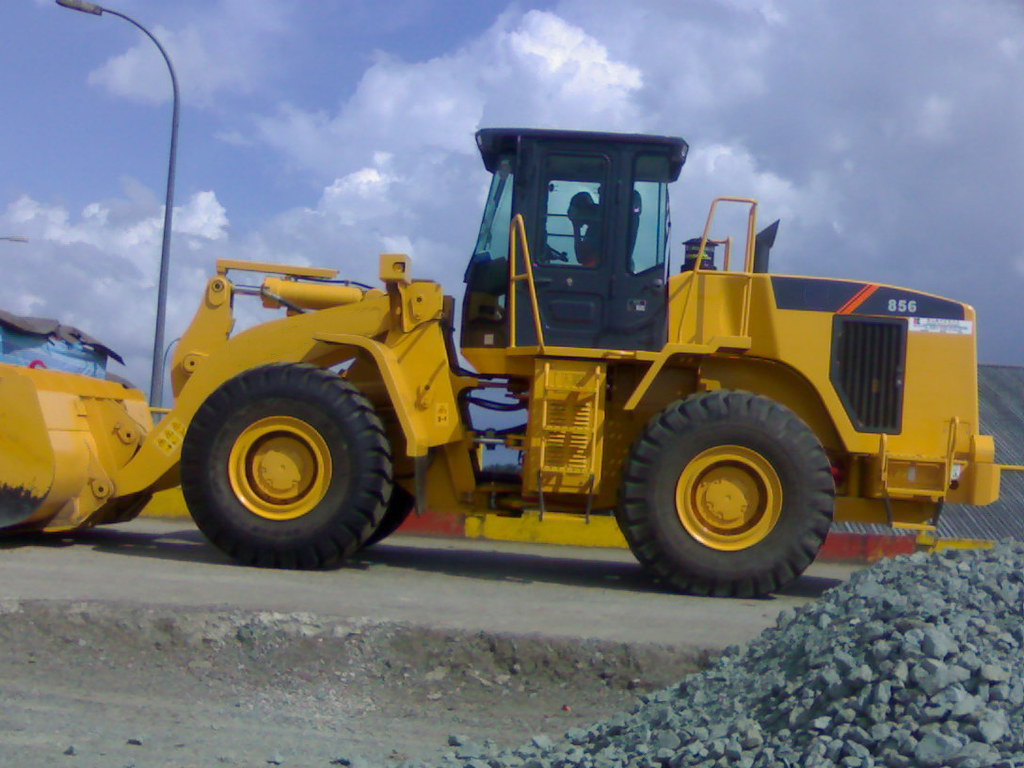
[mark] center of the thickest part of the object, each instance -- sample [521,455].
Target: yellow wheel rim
[729,497]
[280,468]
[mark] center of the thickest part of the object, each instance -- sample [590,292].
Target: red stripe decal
[858,298]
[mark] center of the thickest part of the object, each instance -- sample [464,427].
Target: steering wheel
[552,254]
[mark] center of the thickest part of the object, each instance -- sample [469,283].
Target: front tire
[726,494]
[286,466]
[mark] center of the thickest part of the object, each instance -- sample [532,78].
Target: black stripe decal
[816,294]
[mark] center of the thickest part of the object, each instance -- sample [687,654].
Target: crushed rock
[917,661]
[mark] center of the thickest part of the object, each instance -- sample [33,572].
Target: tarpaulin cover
[41,342]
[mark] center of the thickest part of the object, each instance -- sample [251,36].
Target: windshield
[483,307]
[492,242]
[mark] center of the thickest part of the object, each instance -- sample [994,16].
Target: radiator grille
[868,358]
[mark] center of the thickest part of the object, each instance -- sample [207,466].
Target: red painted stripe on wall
[865,547]
[432,523]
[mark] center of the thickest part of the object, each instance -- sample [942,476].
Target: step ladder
[916,478]
[564,433]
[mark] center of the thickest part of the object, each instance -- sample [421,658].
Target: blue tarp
[48,352]
[44,343]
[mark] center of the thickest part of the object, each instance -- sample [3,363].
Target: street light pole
[156,384]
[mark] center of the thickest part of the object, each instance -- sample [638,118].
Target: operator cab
[596,215]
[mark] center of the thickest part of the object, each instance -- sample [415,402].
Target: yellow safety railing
[748,260]
[748,254]
[517,236]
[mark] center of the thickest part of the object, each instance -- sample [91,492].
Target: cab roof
[497,142]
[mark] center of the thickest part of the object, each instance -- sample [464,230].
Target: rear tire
[726,494]
[286,466]
[399,508]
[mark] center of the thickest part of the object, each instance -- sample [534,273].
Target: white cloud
[99,270]
[360,195]
[1011,47]
[405,174]
[579,64]
[531,69]
[376,209]
[202,216]
[224,50]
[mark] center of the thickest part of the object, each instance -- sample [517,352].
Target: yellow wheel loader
[717,416]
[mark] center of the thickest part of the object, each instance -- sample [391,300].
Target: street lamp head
[15,239]
[81,5]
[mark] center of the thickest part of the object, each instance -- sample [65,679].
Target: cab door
[573,224]
[597,231]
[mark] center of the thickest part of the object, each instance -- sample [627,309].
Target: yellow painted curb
[556,528]
[169,503]
[930,542]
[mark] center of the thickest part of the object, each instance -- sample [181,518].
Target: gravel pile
[918,661]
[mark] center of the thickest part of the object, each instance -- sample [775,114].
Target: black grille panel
[868,357]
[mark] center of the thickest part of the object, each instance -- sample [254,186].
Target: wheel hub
[280,467]
[729,497]
[728,494]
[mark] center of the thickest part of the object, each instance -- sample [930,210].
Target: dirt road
[140,645]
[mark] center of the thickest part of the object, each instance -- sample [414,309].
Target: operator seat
[585,216]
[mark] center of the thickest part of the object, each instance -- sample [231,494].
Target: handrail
[517,232]
[954,428]
[748,262]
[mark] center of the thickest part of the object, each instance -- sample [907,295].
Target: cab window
[647,247]
[574,211]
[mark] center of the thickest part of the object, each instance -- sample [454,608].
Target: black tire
[718,454]
[286,466]
[399,508]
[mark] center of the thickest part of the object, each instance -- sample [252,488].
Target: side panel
[793,320]
[892,374]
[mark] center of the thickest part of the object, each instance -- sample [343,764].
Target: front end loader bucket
[63,437]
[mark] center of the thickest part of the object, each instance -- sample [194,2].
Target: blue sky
[886,136]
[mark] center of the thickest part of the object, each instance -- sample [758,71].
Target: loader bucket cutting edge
[26,472]
[17,505]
